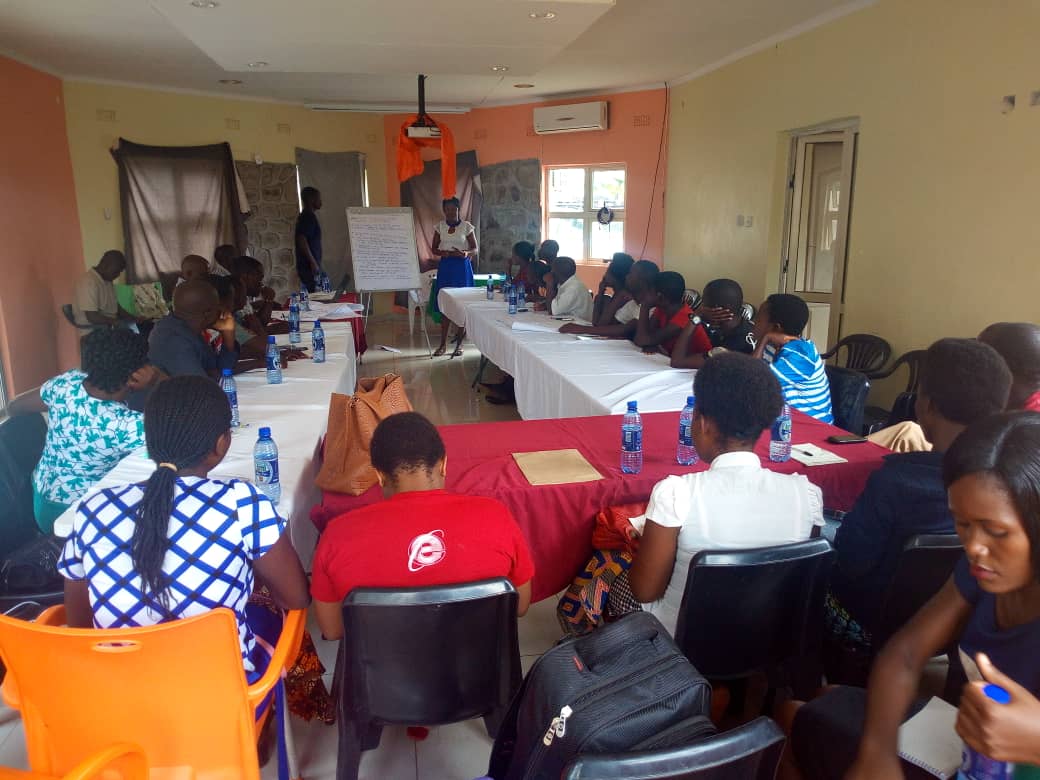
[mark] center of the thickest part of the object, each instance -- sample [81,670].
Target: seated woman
[614,314]
[522,257]
[734,504]
[181,544]
[990,606]
[89,427]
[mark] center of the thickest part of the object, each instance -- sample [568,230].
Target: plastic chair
[126,759]
[425,656]
[692,298]
[875,417]
[863,352]
[748,312]
[745,611]
[66,309]
[750,752]
[176,689]
[849,390]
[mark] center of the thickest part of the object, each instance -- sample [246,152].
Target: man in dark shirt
[178,345]
[722,320]
[308,239]
[962,381]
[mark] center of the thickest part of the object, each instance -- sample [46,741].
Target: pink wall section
[636,138]
[41,253]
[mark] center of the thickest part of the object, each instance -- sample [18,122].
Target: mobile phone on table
[850,439]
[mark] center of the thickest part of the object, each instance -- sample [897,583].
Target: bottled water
[274,363]
[974,765]
[227,384]
[265,466]
[325,283]
[318,343]
[305,299]
[521,295]
[780,439]
[294,319]
[506,285]
[512,300]
[632,440]
[686,453]
[490,290]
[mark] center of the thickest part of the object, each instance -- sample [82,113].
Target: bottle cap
[317,323]
[226,372]
[689,400]
[265,433]
[633,406]
[997,694]
[270,339]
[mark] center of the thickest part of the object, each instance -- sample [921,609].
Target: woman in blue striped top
[795,361]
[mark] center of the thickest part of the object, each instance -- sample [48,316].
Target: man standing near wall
[308,239]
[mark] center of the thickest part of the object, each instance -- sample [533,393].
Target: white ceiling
[371,50]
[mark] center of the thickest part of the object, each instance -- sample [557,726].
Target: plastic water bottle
[294,319]
[506,285]
[974,765]
[780,439]
[318,343]
[305,299]
[632,440]
[686,453]
[274,363]
[521,295]
[265,466]
[512,300]
[227,384]
[490,290]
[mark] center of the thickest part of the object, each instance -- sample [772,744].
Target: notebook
[928,739]
[811,455]
[556,467]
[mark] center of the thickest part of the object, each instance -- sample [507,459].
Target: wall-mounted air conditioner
[574,118]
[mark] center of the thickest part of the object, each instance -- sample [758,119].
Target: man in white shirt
[735,503]
[568,296]
[94,302]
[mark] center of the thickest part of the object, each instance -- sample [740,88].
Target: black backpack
[623,687]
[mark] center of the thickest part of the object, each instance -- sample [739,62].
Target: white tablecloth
[560,375]
[296,411]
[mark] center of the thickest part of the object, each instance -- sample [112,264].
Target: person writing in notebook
[662,314]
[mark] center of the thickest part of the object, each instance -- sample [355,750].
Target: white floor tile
[539,628]
[456,752]
[12,746]
[316,751]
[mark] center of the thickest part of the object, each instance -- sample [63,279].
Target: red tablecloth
[557,520]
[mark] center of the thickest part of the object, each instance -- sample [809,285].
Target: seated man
[94,302]
[420,535]
[193,267]
[638,281]
[662,314]
[259,303]
[734,504]
[722,321]
[536,281]
[567,295]
[224,259]
[548,251]
[618,307]
[795,361]
[232,295]
[1019,344]
[962,380]
[177,344]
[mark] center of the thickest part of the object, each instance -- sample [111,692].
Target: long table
[560,375]
[297,413]
[557,520]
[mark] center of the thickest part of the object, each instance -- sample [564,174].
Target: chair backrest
[745,610]
[748,312]
[863,352]
[21,444]
[913,360]
[176,689]
[429,655]
[849,390]
[924,566]
[692,298]
[749,752]
[66,309]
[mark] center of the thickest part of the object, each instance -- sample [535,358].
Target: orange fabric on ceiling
[409,155]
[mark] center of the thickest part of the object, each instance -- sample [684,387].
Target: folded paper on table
[555,467]
[929,739]
[811,455]
[534,327]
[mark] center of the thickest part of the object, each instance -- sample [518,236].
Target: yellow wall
[178,119]
[944,237]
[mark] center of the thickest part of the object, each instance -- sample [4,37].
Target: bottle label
[631,441]
[686,434]
[782,429]
[266,471]
[273,361]
[976,766]
[232,397]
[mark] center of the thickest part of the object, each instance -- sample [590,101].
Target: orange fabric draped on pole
[409,155]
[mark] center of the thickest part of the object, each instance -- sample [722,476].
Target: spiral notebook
[928,739]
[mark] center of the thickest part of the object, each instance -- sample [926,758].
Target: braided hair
[183,419]
[110,356]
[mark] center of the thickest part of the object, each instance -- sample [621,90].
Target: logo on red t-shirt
[426,550]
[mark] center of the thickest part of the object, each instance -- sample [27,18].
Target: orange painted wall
[41,252]
[634,138]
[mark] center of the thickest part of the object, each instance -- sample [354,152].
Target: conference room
[515,389]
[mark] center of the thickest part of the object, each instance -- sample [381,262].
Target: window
[573,196]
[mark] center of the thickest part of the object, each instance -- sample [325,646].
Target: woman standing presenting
[453,241]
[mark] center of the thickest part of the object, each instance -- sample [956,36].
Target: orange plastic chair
[126,759]
[176,689]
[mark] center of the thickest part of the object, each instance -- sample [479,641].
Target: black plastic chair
[849,390]
[692,298]
[745,611]
[425,656]
[66,309]
[874,417]
[863,352]
[749,752]
[748,312]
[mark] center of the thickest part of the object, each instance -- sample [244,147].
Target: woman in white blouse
[454,239]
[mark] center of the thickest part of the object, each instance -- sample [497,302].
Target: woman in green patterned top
[89,427]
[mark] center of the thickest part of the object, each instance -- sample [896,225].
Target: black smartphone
[850,439]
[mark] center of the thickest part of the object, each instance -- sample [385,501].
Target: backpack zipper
[558,727]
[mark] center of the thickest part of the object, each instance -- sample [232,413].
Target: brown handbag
[347,466]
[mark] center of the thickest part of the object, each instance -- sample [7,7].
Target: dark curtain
[423,194]
[340,176]
[176,201]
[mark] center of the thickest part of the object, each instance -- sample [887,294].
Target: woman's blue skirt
[451,272]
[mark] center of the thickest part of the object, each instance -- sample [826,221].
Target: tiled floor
[440,389]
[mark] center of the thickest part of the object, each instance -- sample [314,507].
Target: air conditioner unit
[574,118]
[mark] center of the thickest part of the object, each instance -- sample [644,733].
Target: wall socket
[745,221]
